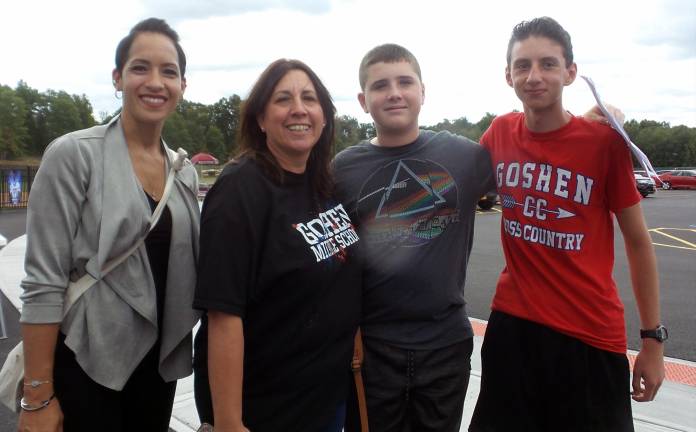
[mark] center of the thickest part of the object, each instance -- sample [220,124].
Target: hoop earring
[116,94]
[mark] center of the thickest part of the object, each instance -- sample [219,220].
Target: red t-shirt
[558,191]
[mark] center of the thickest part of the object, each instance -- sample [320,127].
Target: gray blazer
[87,207]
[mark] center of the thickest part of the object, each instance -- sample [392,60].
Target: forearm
[642,264]
[39,349]
[644,278]
[226,368]
[648,369]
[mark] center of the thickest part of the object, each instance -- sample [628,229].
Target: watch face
[660,333]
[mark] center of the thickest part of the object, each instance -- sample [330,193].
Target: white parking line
[689,245]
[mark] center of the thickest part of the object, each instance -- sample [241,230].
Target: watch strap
[659,333]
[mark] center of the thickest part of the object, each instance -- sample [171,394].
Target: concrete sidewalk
[673,410]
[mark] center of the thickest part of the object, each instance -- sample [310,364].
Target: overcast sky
[640,54]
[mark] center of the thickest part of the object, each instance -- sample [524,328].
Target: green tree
[688,135]
[197,120]
[484,123]
[461,126]
[664,145]
[349,132]
[226,116]
[346,132]
[176,134]
[84,109]
[63,116]
[37,109]
[186,127]
[632,128]
[13,132]
[215,128]
[215,143]
[367,130]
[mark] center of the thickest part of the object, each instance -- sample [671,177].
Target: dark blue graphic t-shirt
[414,208]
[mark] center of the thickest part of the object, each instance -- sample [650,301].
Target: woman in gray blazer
[112,363]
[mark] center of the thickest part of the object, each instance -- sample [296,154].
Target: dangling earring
[113,81]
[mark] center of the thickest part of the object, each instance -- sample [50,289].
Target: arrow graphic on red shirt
[508,201]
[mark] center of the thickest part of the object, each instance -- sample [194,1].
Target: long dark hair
[253,140]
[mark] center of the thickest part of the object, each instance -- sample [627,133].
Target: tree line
[30,120]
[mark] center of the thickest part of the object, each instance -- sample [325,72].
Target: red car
[679,179]
[656,179]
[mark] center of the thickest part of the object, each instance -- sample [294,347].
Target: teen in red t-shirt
[558,190]
[554,352]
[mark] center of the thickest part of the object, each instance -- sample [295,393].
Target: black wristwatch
[660,333]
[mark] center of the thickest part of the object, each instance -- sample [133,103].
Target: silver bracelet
[36,383]
[26,407]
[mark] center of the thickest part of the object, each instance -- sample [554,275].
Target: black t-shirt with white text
[287,265]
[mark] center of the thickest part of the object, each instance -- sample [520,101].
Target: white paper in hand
[638,153]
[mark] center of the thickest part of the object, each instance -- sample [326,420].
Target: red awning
[204,159]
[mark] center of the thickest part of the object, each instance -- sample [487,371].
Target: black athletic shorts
[536,379]
[412,390]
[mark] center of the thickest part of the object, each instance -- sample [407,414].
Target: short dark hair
[253,139]
[387,53]
[544,27]
[152,25]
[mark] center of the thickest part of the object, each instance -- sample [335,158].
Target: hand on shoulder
[595,114]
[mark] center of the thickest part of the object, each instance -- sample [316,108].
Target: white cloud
[201,9]
[640,54]
[672,27]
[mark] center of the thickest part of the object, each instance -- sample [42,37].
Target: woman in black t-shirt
[278,274]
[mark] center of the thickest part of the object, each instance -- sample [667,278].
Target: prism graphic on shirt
[407,202]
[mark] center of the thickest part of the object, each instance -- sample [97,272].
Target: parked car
[656,178]
[488,201]
[679,179]
[644,185]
